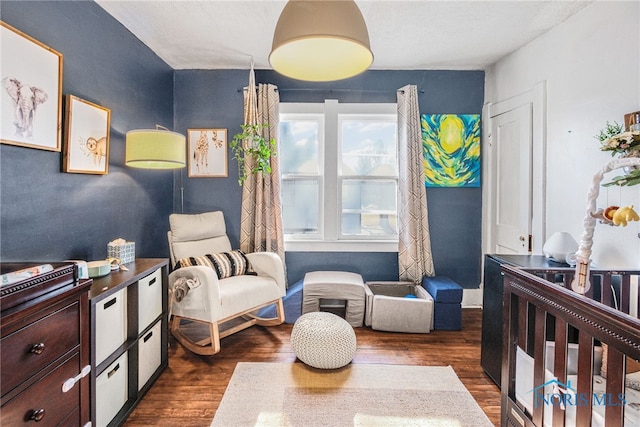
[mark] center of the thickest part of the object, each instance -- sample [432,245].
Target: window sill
[341,246]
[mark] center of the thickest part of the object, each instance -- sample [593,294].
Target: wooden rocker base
[210,345]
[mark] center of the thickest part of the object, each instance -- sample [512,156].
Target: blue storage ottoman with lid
[447,295]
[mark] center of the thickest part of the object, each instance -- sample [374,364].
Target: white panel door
[512,138]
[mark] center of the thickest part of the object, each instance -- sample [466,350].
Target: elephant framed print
[86,135]
[207,153]
[31,92]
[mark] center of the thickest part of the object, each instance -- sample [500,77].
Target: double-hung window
[339,171]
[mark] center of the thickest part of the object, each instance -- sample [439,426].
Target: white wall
[591,63]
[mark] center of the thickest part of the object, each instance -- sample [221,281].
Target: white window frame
[329,237]
[310,112]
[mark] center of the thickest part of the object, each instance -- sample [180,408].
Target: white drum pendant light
[319,41]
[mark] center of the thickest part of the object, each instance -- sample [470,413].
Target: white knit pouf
[323,340]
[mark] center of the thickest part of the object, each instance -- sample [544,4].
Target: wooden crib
[547,324]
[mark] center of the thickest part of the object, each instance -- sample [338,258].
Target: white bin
[149,299]
[388,308]
[149,353]
[111,324]
[111,391]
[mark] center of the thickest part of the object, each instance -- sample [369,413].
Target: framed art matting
[86,137]
[207,153]
[31,92]
[451,150]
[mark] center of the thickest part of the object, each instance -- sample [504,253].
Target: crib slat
[560,366]
[625,287]
[637,292]
[549,276]
[511,311]
[589,293]
[585,379]
[540,336]
[615,386]
[607,292]
[523,321]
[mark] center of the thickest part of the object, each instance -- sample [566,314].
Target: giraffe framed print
[208,154]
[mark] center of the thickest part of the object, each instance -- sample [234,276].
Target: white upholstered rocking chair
[198,295]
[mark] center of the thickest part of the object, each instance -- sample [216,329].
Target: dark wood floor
[189,391]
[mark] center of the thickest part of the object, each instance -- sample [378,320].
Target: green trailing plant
[632,178]
[256,147]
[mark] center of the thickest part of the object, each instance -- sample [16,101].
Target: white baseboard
[472,298]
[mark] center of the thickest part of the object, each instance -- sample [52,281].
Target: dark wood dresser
[44,348]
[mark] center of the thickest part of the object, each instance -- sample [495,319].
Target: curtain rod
[335,90]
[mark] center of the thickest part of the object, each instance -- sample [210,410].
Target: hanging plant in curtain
[261,214]
[253,150]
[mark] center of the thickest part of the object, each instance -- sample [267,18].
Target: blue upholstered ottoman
[447,295]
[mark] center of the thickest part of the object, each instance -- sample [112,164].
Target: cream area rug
[295,395]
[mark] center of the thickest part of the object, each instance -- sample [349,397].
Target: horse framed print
[208,153]
[31,92]
[86,137]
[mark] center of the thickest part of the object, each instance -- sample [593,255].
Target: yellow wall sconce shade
[320,41]
[155,149]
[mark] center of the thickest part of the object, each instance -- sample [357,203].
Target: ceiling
[449,34]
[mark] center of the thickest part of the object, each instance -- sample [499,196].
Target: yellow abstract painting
[451,150]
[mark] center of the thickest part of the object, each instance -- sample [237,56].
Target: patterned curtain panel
[414,247]
[261,217]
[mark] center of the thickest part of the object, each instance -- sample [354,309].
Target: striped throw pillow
[225,264]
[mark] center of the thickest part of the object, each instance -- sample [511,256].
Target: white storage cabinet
[129,338]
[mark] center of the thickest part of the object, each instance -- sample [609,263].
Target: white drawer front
[149,299]
[111,324]
[111,391]
[149,352]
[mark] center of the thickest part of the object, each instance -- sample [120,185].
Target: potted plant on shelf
[613,138]
[251,145]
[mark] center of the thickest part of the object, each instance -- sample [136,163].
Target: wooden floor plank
[189,392]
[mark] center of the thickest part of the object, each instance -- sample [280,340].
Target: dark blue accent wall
[48,215]
[213,99]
